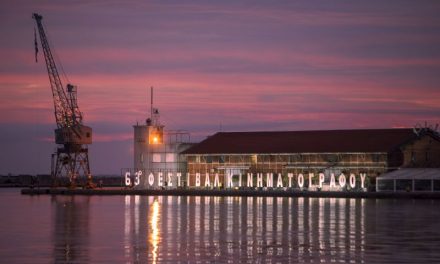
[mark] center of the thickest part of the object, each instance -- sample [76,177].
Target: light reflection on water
[254,230]
[142,229]
[154,236]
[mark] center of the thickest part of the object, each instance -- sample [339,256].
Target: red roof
[328,141]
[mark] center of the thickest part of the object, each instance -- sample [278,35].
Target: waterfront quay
[243,193]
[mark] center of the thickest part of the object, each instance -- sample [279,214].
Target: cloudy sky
[238,65]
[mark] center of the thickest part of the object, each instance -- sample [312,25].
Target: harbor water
[195,229]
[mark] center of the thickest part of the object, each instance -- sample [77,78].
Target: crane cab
[78,134]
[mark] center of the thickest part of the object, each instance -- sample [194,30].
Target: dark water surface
[142,229]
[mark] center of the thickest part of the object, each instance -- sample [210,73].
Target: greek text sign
[250,180]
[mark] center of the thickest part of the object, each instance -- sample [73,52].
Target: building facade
[334,160]
[312,158]
[156,150]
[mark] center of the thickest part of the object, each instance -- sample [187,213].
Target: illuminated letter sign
[167,179]
[127,179]
[207,181]
[352,181]
[280,181]
[170,182]
[290,176]
[216,181]
[363,176]
[259,179]
[160,179]
[151,179]
[342,180]
[269,179]
[332,180]
[250,180]
[300,180]
[229,180]
[178,178]
[311,175]
[321,179]
[197,179]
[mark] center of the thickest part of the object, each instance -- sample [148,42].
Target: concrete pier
[248,193]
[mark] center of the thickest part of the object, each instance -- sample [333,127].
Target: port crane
[71,159]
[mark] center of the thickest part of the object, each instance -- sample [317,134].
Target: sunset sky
[238,65]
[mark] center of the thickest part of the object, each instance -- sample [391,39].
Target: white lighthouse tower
[157,150]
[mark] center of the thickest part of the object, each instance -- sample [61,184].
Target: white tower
[158,151]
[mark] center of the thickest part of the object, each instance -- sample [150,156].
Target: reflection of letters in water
[262,229]
[236,179]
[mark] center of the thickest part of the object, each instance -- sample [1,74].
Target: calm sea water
[142,229]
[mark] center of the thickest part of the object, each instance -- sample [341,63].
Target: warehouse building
[371,152]
[330,160]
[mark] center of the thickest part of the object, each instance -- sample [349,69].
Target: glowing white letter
[151,179]
[363,176]
[352,181]
[127,179]
[216,181]
[159,179]
[207,181]
[332,180]
[197,179]
[342,180]
[170,182]
[290,176]
[269,179]
[300,180]
[280,181]
[311,175]
[250,180]
[229,180]
[321,179]
[178,178]
[259,179]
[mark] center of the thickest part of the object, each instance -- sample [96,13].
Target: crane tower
[71,159]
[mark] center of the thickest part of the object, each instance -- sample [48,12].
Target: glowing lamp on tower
[156,136]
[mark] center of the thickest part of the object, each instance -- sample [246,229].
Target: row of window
[286,158]
[158,157]
[408,185]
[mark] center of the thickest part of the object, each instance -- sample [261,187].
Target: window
[254,159]
[385,185]
[436,185]
[422,185]
[403,185]
[169,157]
[156,157]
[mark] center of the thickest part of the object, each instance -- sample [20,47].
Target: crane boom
[65,114]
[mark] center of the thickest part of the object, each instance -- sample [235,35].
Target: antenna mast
[151,103]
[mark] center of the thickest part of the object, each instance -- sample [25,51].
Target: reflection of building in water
[231,229]
[71,231]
